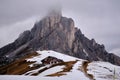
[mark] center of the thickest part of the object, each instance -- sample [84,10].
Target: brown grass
[18,67]
[57,74]
[67,68]
[84,69]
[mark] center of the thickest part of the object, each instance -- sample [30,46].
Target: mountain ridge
[58,33]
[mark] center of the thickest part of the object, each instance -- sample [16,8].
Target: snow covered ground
[104,71]
[44,54]
[73,74]
[99,70]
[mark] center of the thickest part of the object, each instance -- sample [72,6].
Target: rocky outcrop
[55,32]
[51,60]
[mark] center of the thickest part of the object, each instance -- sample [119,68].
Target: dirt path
[84,69]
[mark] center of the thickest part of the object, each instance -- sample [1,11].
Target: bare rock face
[55,32]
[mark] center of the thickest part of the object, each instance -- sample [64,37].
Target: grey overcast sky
[99,19]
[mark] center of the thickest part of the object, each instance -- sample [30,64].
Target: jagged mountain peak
[56,28]
[58,33]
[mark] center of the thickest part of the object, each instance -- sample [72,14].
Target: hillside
[31,67]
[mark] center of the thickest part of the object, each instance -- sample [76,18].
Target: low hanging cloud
[97,19]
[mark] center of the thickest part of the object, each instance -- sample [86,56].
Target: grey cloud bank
[99,19]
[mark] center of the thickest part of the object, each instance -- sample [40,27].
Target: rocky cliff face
[55,32]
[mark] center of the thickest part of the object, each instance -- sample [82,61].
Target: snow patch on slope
[51,70]
[85,52]
[104,70]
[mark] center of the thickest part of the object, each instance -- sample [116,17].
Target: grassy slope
[18,67]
